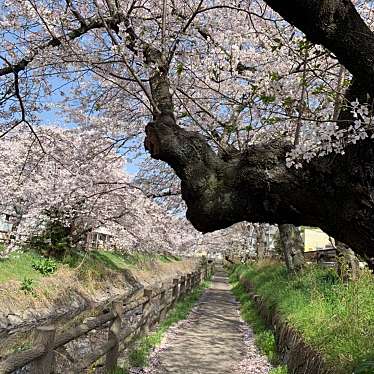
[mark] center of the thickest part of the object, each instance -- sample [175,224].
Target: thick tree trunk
[348,264]
[293,247]
[260,242]
[335,192]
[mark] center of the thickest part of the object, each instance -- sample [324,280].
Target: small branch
[130,69]
[301,102]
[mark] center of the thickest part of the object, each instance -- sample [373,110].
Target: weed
[44,266]
[279,370]
[23,347]
[27,286]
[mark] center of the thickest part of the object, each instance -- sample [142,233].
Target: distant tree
[292,245]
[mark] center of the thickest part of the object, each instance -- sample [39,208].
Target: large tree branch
[334,192]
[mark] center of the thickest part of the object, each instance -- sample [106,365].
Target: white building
[6,226]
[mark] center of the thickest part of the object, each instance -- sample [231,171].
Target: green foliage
[180,68]
[279,370]
[272,120]
[2,247]
[31,264]
[274,76]
[267,99]
[169,258]
[18,266]
[44,266]
[138,356]
[365,368]
[23,346]
[303,45]
[266,342]
[334,317]
[54,241]
[27,286]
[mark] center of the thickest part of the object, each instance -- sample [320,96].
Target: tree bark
[335,192]
[293,247]
[260,242]
[348,264]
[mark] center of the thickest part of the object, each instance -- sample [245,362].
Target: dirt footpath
[212,341]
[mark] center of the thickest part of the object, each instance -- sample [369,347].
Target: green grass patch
[279,370]
[2,247]
[18,266]
[335,318]
[116,261]
[29,264]
[264,337]
[139,355]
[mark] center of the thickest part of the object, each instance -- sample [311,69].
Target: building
[316,240]
[99,238]
[6,227]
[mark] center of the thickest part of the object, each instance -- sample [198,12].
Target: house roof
[102,230]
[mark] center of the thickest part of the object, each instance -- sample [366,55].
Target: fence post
[45,364]
[193,280]
[176,292]
[182,289]
[114,332]
[211,269]
[188,283]
[146,311]
[163,306]
[199,277]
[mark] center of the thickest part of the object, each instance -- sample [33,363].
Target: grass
[139,355]
[335,318]
[279,370]
[19,265]
[264,337]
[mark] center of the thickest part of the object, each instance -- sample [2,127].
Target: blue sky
[53,117]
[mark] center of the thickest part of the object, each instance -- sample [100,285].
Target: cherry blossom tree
[78,181]
[261,108]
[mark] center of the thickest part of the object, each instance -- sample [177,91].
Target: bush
[45,266]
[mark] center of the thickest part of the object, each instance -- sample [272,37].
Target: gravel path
[213,340]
